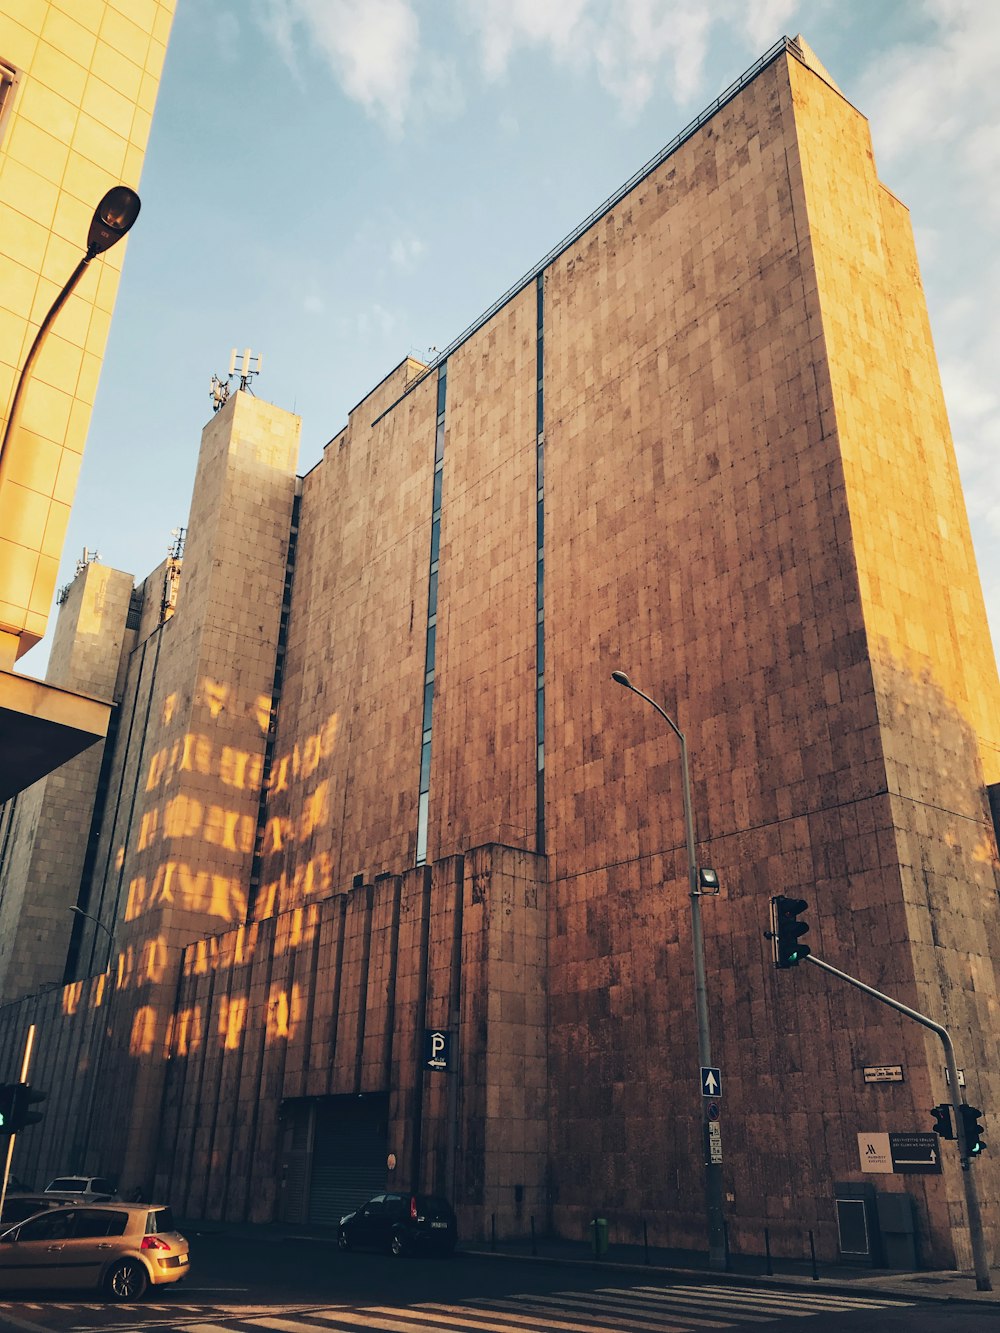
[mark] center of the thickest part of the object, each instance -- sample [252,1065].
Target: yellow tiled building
[79,84]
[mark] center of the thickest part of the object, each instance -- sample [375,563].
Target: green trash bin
[599,1236]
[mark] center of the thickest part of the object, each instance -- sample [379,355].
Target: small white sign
[875,1154]
[883,1073]
[961,1077]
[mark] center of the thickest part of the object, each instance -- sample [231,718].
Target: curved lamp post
[112,218]
[699,883]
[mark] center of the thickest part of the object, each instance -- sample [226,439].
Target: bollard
[812,1251]
[533,1250]
[599,1240]
[768,1268]
[493,1231]
[727,1265]
[645,1241]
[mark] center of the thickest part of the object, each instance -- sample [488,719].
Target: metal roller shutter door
[349,1156]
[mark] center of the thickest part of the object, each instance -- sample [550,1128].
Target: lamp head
[621,678]
[113,217]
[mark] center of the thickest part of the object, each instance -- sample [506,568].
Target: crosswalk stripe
[678,1302]
[637,1320]
[737,1303]
[552,1323]
[465,1316]
[815,1299]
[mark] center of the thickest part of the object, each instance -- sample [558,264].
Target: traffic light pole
[982,1268]
[29,1042]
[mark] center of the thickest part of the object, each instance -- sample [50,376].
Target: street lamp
[112,218]
[111,948]
[700,883]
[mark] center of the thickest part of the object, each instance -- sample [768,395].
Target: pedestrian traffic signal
[974,1144]
[8,1092]
[786,931]
[16,1100]
[942,1121]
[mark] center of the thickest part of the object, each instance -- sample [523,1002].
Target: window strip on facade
[540,567]
[424,791]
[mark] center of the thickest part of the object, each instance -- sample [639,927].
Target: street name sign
[883,1073]
[711,1082]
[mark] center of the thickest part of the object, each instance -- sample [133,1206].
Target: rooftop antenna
[219,389]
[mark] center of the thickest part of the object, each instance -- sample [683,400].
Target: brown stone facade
[705,443]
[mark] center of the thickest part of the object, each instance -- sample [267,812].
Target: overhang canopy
[41,727]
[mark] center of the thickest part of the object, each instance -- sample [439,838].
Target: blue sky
[337,183]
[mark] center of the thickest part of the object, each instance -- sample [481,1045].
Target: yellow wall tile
[118,71]
[140,128]
[58,366]
[68,36]
[36,467]
[76,431]
[155,58]
[125,36]
[88,13]
[29,13]
[23,514]
[47,109]
[30,193]
[72,220]
[17,285]
[161,25]
[141,12]
[35,148]
[47,569]
[87,181]
[101,145]
[13,331]
[45,408]
[19,43]
[69,470]
[22,236]
[89,373]
[148,90]
[17,573]
[58,71]
[108,106]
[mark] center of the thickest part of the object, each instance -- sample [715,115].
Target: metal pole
[975,1217]
[713,1170]
[10,1142]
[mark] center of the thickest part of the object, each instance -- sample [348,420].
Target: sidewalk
[745,1270]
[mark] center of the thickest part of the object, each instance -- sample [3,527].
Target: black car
[401,1224]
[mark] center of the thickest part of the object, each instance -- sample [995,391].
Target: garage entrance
[333,1156]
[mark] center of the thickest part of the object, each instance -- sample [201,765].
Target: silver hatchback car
[119,1248]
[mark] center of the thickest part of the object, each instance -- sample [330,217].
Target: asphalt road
[308,1286]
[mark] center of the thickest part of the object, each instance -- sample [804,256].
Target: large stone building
[371,777]
[78,84]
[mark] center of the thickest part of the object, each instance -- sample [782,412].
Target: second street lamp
[698,884]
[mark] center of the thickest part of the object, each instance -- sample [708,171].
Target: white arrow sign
[711,1082]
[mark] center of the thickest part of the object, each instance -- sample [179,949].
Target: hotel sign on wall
[902,1154]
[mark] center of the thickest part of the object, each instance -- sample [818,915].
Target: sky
[337,184]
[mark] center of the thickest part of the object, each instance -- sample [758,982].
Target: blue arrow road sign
[711,1082]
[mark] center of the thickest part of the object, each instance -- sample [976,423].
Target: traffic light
[16,1100]
[8,1093]
[786,931]
[942,1121]
[974,1144]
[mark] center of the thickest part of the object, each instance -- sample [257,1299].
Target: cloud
[370,46]
[405,251]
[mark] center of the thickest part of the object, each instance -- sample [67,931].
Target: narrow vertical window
[540,566]
[424,789]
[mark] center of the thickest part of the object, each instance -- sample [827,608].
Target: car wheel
[343,1239]
[127,1281]
[397,1244]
